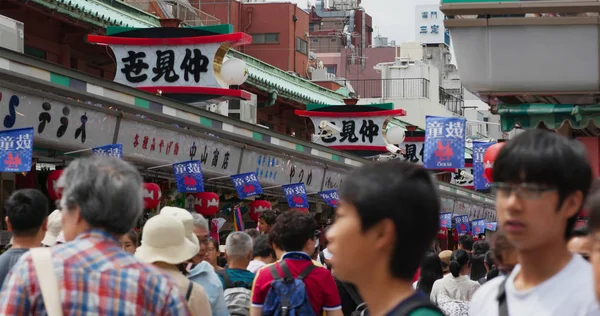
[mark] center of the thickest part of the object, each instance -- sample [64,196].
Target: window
[234,115]
[311,27]
[31,51]
[265,38]
[315,40]
[333,40]
[301,46]
[331,69]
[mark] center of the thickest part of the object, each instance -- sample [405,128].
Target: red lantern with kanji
[257,207]
[442,233]
[488,160]
[206,203]
[152,195]
[54,192]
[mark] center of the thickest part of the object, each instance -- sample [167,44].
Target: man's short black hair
[269,217]
[546,158]
[26,210]
[403,193]
[466,241]
[293,229]
[480,247]
[261,247]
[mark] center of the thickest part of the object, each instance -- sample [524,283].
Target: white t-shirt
[569,292]
[255,265]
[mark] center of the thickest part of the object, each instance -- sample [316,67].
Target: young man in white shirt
[541,180]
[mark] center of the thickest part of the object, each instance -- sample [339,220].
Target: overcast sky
[394,19]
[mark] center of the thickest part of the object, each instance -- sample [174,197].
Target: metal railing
[413,88]
[452,103]
[177,9]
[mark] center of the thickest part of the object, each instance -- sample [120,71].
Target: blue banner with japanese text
[111,150]
[478,226]
[188,176]
[446,220]
[16,150]
[330,197]
[444,143]
[296,195]
[479,148]
[491,226]
[246,184]
[462,224]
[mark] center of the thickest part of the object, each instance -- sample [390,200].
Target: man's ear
[8,225]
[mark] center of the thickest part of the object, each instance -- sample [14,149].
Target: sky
[394,19]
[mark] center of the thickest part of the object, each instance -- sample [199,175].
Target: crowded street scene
[299,158]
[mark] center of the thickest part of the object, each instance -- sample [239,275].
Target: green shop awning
[550,115]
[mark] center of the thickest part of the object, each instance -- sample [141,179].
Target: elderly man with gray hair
[203,273]
[102,199]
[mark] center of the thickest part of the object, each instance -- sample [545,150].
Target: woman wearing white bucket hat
[165,245]
[54,229]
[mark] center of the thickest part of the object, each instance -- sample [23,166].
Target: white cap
[61,238]
[54,228]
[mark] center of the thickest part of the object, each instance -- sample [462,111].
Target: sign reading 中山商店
[182,65]
[56,124]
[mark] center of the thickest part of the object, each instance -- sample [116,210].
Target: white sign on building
[429,25]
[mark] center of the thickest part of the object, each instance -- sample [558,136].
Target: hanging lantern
[206,203]
[152,195]
[257,207]
[54,192]
[488,160]
[454,234]
[442,233]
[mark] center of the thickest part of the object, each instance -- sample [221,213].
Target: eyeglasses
[525,191]
[211,249]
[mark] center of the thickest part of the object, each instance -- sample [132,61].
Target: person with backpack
[294,285]
[387,218]
[236,279]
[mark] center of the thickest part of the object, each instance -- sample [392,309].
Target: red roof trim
[358,147]
[235,39]
[396,112]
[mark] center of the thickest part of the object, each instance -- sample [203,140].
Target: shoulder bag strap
[322,257]
[502,301]
[188,294]
[226,280]
[352,292]
[274,273]
[306,271]
[44,269]
[286,271]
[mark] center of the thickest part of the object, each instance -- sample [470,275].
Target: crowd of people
[376,258]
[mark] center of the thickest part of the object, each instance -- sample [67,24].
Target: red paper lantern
[442,233]
[206,203]
[54,192]
[488,160]
[152,195]
[257,207]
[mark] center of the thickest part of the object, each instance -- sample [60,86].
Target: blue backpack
[287,296]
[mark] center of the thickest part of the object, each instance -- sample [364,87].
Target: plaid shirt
[96,278]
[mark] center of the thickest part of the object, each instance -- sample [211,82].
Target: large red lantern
[488,160]
[152,195]
[442,233]
[54,192]
[206,203]
[257,207]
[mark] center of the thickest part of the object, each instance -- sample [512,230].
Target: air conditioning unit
[12,34]
[243,110]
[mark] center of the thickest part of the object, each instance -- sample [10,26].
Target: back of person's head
[466,241]
[478,270]
[269,217]
[292,230]
[238,245]
[261,247]
[106,191]
[445,258]
[548,160]
[431,270]
[389,198]
[480,247]
[252,232]
[26,211]
[459,259]
[491,264]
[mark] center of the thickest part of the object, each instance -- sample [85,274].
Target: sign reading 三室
[444,143]
[16,149]
[188,176]
[246,185]
[295,195]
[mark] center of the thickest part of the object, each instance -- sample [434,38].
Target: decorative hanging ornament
[257,207]
[488,160]
[54,192]
[206,203]
[152,195]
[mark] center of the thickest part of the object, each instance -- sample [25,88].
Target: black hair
[581,231]
[215,244]
[478,270]
[458,260]
[293,229]
[546,158]
[466,241]
[491,263]
[26,209]
[431,270]
[480,247]
[133,236]
[261,247]
[252,232]
[269,217]
[396,191]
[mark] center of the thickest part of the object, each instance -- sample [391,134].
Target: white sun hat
[186,219]
[54,228]
[164,241]
[61,238]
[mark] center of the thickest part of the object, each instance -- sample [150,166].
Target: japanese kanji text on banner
[188,176]
[462,224]
[444,143]
[112,150]
[330,197]
[446,220]
[246,184]
[16,149]
[478,226]
[479,148]
[296,195]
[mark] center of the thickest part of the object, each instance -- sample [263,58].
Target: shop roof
[552,116]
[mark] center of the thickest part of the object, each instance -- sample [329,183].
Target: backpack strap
[322,257]
[274,272]
[287,274]
[352,292]
[306,271]
[502,302]
[414,304]
[188,294]
[226,280]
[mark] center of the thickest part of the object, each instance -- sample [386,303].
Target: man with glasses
[541,180]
